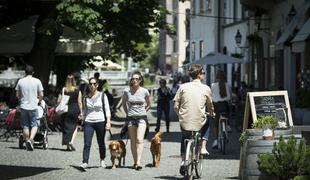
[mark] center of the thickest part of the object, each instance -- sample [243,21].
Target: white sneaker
[103,164]
[204,151]
[214,145]
[83,166]
[229,129]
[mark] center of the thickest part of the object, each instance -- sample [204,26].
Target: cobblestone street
[56,163]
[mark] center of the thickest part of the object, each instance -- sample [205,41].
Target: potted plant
[267,124]
[289,160]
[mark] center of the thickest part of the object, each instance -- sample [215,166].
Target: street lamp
[292,13]
[238,38]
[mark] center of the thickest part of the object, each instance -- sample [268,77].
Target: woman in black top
[163,104]
[70,118]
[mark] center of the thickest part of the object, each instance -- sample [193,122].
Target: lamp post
[291,14]
[238,38]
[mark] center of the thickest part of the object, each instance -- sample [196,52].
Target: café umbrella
[214,58]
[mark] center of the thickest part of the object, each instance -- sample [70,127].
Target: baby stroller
[40,138]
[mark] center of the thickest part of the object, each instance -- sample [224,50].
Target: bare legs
[33,132]
[73,135]
[136,135]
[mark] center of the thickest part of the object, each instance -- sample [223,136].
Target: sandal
[138,168]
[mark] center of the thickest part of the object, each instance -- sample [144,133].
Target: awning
[215,58]
[293,27]
[254,4]
[299,42]
[19,37]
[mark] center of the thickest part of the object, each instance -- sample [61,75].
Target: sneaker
[83,166]
[29,145]
[214,145]
[182,168]
[229,129]
[72,148]
[204,151]
[103,164]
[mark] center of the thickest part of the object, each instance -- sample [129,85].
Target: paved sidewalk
[55,163]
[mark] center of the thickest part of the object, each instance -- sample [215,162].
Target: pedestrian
[163,104]
[133,100]
[29,91]
[69,120]
[190,105]
[175,87]
[221,96]
[100,81]
[96,119]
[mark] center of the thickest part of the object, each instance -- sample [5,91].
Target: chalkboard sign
[268,103]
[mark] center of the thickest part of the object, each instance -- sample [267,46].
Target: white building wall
[181,34]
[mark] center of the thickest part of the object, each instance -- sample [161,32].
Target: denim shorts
[135,121]
[28,118]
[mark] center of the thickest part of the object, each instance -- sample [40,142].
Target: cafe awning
[293,27]
[299,42]
[18,39]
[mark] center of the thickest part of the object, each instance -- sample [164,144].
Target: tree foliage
[123,24]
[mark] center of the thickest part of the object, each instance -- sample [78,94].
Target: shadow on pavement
[232,177]
[58,149]
[169,177]
[14,172]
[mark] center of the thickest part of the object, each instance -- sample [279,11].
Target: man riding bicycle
[190,105]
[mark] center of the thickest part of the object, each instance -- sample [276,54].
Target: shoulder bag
[63,105]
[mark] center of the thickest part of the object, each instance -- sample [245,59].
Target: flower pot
[268,133]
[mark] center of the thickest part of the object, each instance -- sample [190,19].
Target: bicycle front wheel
[189,160]
[199,165]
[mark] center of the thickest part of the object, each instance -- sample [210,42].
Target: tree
[123,24]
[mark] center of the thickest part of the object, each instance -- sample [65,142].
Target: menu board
[268,103]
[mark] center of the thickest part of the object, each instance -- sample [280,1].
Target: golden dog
[118,151]
[156,149]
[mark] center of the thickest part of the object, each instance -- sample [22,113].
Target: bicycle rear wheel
[223,142]
[189,158]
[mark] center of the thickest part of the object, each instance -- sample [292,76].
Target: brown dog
[118,151]
[156,149]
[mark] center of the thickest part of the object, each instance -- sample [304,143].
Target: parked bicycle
[193,158]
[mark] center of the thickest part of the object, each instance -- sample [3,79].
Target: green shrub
[287,160]
[244,135]
[266,120]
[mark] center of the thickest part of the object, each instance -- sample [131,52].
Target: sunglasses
[92,84]
[136,79]
[203,73]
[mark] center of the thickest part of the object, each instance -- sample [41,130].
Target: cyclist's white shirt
[193,97]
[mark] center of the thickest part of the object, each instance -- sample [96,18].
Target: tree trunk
[42,56]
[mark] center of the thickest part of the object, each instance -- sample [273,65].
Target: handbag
[63,105]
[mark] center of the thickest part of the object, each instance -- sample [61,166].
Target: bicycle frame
[193,160]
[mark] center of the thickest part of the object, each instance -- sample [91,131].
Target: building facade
[172,46]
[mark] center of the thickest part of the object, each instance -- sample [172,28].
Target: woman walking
[136,102]
[97,119]
[70,118]
[163,104]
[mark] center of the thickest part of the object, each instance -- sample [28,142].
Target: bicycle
[222,132]
[193,158]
